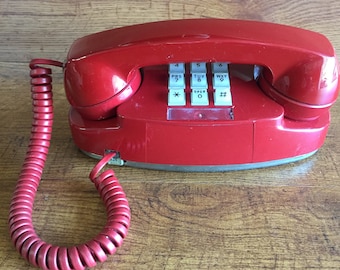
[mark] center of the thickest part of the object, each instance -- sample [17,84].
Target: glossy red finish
[285,115]
[299,64]
[143,132]
[26,240]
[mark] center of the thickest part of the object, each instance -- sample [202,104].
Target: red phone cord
[24,237]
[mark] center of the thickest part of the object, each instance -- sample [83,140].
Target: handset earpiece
[95,88]
[307,89]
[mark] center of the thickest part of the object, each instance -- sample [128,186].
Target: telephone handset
[186,95]
[104,69]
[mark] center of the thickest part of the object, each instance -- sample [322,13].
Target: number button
[199,97]
[177,68]
[199,81]
[198,67]
[219,67]
[221,80]
[176,80]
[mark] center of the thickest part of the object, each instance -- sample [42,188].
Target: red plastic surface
[142,131]
[103,69]
[120,75]
[28,243]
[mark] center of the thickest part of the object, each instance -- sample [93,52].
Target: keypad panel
[200,74]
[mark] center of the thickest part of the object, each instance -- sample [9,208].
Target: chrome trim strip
[203,168]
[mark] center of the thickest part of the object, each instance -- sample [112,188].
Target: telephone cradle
[183,95]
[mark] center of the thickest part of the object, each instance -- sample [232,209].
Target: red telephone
[187,95]
[123,77]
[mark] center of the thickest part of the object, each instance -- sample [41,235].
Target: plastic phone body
[118,83]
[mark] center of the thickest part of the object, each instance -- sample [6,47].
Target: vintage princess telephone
[186,95]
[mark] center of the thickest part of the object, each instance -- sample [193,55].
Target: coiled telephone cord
[24,237]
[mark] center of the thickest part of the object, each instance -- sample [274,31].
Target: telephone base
[202,168]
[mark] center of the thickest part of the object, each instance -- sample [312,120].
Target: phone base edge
[203,168]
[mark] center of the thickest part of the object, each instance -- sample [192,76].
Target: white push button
[176,81]
[176,97]
[222,97]
[221,80]
[177,68]
[199,97]
[219,67]
[199,81]
[198,67]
